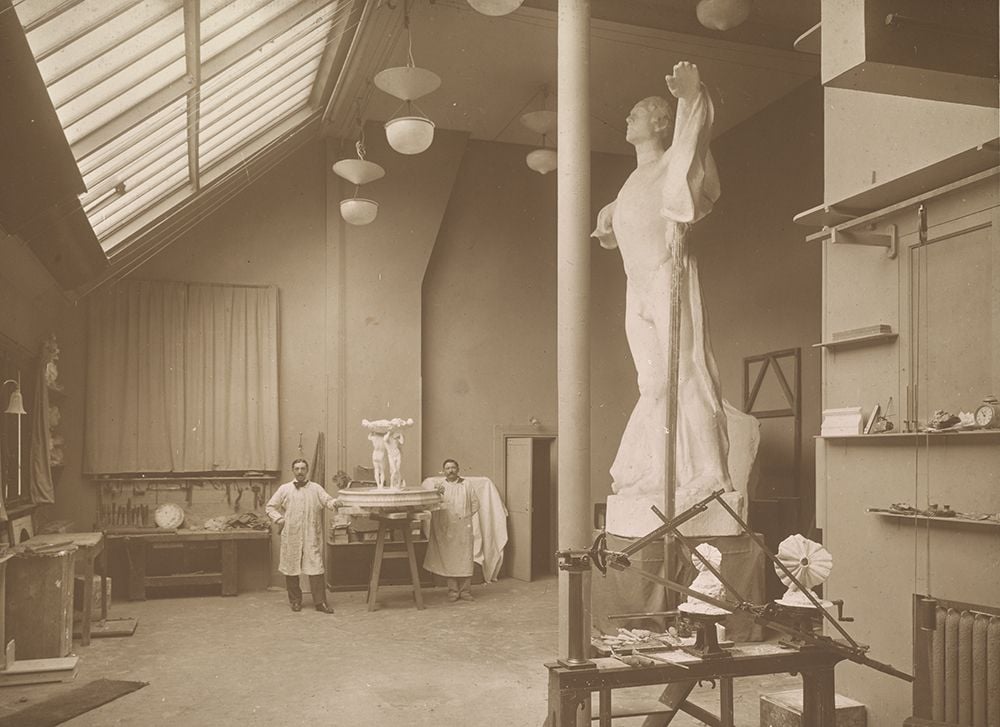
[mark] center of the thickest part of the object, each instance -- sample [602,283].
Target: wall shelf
[868,205]
[951,520]
[869,340]
[975,433]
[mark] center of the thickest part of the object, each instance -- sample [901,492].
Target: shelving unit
[949,520]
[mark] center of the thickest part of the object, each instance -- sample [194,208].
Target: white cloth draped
[489,527]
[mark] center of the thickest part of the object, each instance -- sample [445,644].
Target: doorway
[527,468]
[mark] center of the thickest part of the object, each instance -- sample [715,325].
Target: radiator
[958,682]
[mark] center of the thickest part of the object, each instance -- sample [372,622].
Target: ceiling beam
[192,56]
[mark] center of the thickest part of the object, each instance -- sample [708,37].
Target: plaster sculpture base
[632,517]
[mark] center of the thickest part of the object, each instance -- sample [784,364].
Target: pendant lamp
[495,7]
[543,122]
[722,14]
[412,132]
[358,210]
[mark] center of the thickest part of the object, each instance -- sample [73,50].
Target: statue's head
[651,118]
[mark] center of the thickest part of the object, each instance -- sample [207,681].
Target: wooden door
[518,470]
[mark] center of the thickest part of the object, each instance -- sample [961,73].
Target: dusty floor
[249,660]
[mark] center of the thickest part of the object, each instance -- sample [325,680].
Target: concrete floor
[249,660]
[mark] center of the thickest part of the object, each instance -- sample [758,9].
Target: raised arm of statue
[691,180]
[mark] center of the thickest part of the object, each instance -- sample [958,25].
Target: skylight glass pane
[256,93]
[114,163]
[122,39]
[30,12]
[170,178]
[233,23]
[115,106]
[67,20]
[259,120]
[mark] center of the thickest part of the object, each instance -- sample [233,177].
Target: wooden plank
[39,671]
[230,585]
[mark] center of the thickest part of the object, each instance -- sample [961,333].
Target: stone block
[784,709]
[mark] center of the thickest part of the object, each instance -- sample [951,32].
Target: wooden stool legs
[387,524]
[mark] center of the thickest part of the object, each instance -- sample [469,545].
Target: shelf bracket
[887,239]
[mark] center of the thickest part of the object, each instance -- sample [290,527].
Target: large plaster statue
[386,439]
[674,185]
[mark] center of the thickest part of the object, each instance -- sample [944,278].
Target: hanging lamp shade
[495,7]
[541,122]
[407,83]
[723,14]
[358,211]
[542,161]
[16,403]
[409,134]
[358,171]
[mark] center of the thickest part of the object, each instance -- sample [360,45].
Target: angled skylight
[160,99]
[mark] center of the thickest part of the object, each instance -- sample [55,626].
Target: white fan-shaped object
[809,562]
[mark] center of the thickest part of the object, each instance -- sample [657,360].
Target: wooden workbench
[137,547]
[569,688]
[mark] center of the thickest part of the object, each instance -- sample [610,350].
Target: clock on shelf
[988,413]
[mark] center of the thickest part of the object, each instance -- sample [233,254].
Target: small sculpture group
[387,441]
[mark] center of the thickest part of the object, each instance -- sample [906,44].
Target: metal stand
[575,563]
[706,640]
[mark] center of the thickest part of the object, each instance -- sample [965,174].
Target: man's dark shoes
[323,608]
[296,606]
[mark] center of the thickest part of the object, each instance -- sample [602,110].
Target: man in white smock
[675,184]
[449,550]
[298,506]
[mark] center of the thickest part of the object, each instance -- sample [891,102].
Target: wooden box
[784,709]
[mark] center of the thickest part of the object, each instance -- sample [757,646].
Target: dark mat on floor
[73,703]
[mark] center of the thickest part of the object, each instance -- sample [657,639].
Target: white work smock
[302,536]
[450,546]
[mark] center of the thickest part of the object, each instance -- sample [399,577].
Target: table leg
[135,551]
[727,716]
[819,698]
[103,555]
[87,566]
[230,572]
[411,556]
[604,707]
[564,705]
[376,566]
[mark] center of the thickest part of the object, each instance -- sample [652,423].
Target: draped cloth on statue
[489,527]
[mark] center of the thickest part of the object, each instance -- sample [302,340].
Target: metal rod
[853,653]
[664,529]
[650,614]
[798,584]
[705,561]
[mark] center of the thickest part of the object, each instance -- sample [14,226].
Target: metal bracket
[887,239]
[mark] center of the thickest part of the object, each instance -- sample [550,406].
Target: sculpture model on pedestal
[386,439]
[674,185]
[706,582]
[809,562]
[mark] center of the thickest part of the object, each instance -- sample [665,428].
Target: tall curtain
[42,488]
[182,378]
